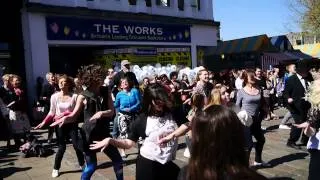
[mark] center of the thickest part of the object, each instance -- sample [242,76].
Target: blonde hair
[215,97]
[313,94]
[6,77]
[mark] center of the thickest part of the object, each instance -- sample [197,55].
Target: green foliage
[308,12]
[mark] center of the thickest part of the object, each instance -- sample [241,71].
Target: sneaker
[261,164]
[123,155]
[186,153]
[55,173]
[264,128]
[283,126]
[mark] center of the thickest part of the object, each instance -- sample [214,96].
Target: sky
[244,18]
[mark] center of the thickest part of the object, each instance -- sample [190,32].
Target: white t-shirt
[156,128]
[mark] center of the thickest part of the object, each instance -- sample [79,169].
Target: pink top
[60,108]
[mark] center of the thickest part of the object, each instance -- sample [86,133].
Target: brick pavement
[286,163]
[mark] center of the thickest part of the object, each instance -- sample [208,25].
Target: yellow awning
[310,49]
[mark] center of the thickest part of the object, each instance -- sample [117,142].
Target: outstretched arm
[119,143]
[182,130]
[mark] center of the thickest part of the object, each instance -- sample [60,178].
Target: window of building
[181,5]
[318,39]
[132,2]
[165,3]
[195,3]
[148,3]
[298,42]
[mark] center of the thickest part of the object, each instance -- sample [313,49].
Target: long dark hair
[155,92]
[218,145]
[91,75]
[246,74]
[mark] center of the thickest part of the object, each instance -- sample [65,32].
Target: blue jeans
[91,161]
[115,129]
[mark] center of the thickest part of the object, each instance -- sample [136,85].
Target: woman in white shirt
[311,129]
[62,103]
[157,120]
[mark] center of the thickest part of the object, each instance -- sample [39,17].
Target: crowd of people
[153,113]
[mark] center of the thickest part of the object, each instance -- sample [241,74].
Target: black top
[295,90]
[97,129]
[47,92]
[6,95]
[261,83]
[208,87]
[138,127]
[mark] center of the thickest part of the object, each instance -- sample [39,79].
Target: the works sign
[65,28]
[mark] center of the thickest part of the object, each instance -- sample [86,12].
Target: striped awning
[249,44]
[273,59]
[310,49]
[281,42]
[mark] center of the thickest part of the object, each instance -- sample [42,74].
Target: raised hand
[100,144]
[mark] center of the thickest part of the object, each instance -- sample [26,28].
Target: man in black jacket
[294,93]
[125,72]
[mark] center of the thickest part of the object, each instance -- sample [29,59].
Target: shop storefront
[56,40]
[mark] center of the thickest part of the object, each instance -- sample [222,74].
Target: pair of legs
[286,119]
[257,133]
[124,121]
[314,164]
[62,133]
[50,134]
[295,133]
[91,160]
[115,129]
[152,170]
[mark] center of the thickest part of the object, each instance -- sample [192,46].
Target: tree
[308,15]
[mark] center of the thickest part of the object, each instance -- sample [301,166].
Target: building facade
[60,35]
[308,44]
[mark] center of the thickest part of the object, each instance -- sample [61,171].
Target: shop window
[181,5]
[165,3]
[132,2]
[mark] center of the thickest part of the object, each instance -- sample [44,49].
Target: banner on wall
[164,57]
[69,28]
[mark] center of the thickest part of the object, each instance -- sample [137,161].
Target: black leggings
[257,133]
[314,164]
[152,170]
[62,133]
